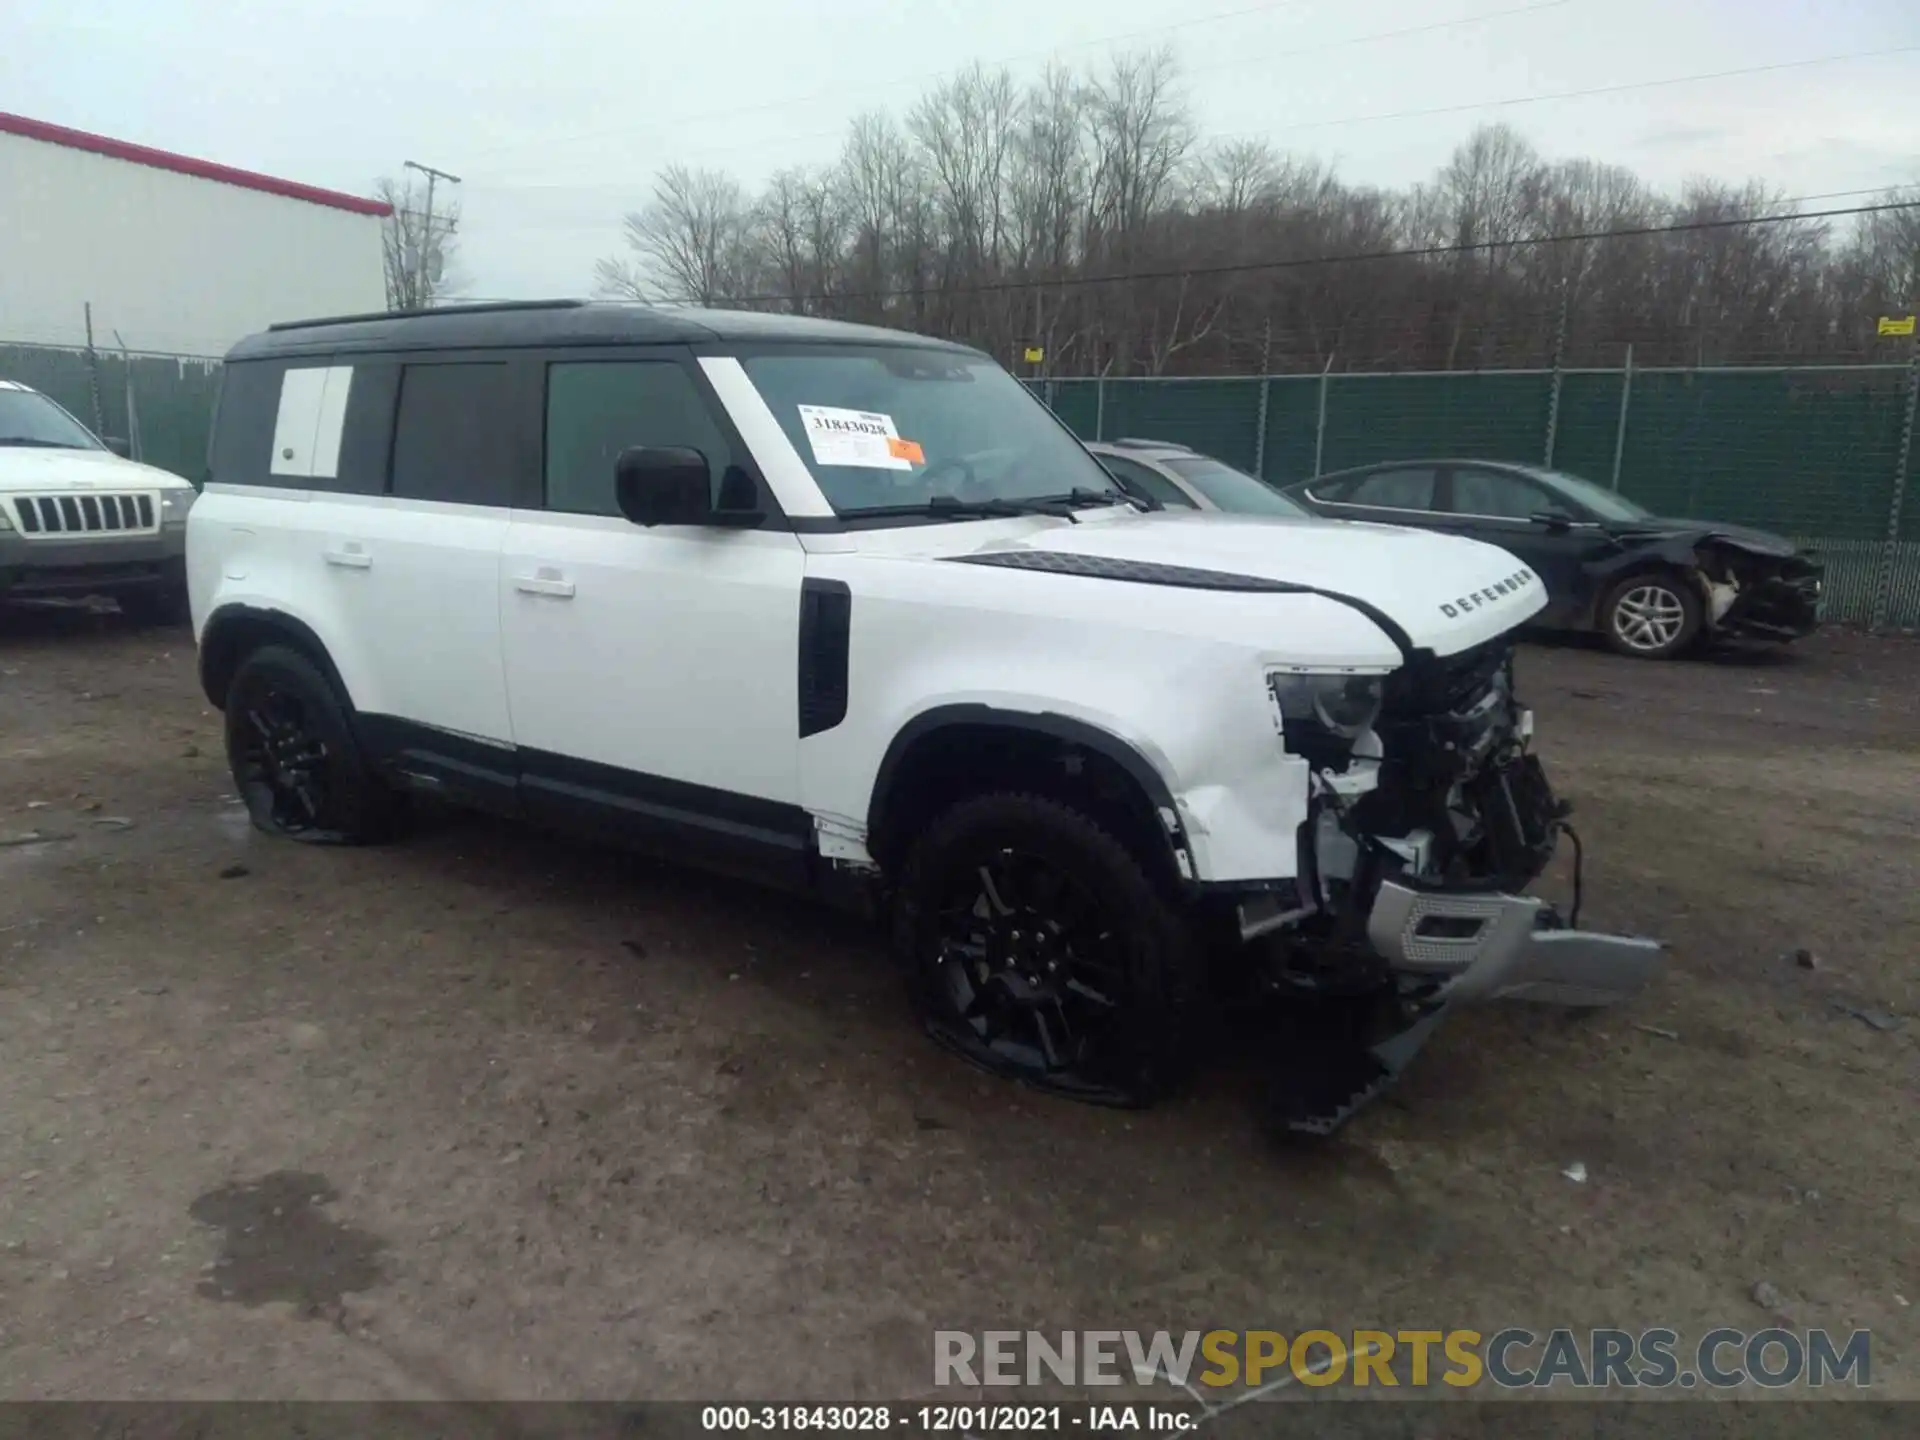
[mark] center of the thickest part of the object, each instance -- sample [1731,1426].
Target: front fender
[1190,717]
[1668,552]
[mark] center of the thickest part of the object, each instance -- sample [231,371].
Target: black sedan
[1651,586]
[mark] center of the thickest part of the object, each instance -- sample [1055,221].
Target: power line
[1425,252]
[1463,107]
[1264,58]
[1429,28]
[926,77]
[1621,89]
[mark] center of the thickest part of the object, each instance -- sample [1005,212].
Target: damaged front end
[1429,818]
[1758,596]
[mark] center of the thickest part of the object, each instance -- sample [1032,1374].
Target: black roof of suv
[507,324]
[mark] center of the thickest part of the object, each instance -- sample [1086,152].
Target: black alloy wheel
[1039,948]
[283,763]
[294,758]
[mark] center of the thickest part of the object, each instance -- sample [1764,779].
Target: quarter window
[596,409]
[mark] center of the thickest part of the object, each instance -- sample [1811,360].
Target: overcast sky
[557,114]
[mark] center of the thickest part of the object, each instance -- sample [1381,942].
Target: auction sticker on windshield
[857,437]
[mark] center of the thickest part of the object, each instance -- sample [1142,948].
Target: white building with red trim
[174,254]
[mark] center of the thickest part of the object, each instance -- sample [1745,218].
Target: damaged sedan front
[1652,587]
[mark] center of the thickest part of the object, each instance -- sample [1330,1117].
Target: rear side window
[452,440]
[1500,496]
[1408,489]
[597,408]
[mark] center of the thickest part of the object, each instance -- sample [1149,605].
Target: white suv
[848,610]
[77,519]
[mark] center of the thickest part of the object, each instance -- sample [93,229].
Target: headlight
[176,502]
[1345,704]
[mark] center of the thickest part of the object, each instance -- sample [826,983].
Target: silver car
[1177,478]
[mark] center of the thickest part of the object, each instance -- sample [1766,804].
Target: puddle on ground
[279,1246]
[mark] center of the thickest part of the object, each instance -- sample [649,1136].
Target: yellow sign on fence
[1896,324]
[1035,354]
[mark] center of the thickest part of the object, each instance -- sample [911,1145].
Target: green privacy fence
[1820,453]
[171,397]
[1824,454]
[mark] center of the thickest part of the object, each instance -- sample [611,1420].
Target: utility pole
[425,247]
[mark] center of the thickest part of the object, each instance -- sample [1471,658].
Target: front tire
[1651,617]
[1037,945]
[294,758]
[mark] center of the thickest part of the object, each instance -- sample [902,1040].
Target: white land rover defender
[77,519]
[848,610]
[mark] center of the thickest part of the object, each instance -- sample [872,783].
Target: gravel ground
[487,1115]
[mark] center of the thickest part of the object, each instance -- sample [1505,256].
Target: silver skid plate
[1503,947]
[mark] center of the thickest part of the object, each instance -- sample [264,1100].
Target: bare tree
[966,132]
[692,243]
[1081,213]
[416,257]
[1047,183]
[1141,134]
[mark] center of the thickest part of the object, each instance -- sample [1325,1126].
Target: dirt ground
[491,1115]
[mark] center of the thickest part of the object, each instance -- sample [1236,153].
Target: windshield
[1234,490]
[1607,504]
[29,418]
[883,428]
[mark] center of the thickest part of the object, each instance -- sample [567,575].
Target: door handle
[544,584]
[350,558]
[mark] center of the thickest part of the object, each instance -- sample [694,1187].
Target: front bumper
[1780,607]
[1457,946]
[91,564]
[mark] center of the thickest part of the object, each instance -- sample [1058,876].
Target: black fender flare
[220,637]
[1046,723]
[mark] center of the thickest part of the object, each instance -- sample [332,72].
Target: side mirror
[118,445]
[671,485]
[1554,518]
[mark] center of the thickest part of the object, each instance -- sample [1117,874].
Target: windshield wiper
[952,507]
[1081,495]
[35,441]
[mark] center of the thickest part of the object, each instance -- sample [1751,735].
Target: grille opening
[1448,927]
[84,514]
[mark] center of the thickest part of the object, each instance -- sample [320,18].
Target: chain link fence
[162,405]
[1823,454]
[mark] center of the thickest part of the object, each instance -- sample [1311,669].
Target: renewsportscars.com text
[1509,1359]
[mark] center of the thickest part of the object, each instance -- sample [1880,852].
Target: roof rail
[1138,443]
[478,308]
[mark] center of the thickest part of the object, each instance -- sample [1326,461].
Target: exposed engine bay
[1430,816]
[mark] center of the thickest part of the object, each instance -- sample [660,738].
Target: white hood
[1446,592]
[32,469]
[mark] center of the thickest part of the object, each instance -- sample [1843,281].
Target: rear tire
[294,758]
[1037,945]
[1651,616]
